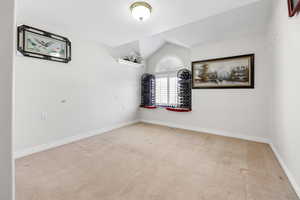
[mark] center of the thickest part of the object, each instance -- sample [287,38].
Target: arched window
[173,90]
[148,91]
[170,63]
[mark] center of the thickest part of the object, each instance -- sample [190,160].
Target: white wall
[284,40]
[6,79]
[98,94]
[233,112]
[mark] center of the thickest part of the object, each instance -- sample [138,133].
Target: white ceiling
[246,20]
[109,21]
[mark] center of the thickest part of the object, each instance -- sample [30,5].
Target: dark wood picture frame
[251,79]
[24,29]
[293,7]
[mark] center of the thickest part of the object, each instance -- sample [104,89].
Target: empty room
[150,100]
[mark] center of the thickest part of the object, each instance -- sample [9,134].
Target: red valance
[149,107]
[179,109]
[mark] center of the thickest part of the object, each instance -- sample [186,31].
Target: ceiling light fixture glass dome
[141,10]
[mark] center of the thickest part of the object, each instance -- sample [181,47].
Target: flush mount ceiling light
[140,10]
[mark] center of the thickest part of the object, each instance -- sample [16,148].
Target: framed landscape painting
[229,72]
[33,42]
[294,7]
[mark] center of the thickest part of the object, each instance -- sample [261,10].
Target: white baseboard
[68,140]
[210,131]
[286,170]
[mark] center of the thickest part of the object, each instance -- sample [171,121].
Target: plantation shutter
[173,91]
[161,90]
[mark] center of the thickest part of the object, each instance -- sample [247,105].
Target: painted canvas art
[230,72]
[44,45]
[294,7]
[36,43]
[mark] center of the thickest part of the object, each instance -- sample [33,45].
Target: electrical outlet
[43,116]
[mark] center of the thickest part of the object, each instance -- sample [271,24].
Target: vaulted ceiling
[250,19]
[246,20]
[110,22]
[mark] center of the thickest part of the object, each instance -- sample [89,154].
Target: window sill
[167,108]
[149,107]
[179,110]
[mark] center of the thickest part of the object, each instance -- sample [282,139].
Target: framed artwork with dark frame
[36,43]
[294,7]
[224,73]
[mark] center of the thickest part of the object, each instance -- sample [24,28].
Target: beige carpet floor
[150,162]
